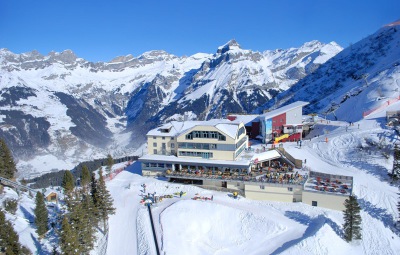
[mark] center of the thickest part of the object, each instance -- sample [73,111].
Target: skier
[212,197]
[181,193]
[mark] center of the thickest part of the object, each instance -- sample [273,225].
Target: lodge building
[216,154]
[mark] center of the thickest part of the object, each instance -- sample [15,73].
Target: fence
[110,176]
[381,107]
[102,244]
[298,163]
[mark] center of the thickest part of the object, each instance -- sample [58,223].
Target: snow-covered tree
[352,219]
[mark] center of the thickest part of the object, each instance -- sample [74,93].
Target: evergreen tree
[7,164]
[352,219]
[68,182]
[9,243]
[85,177]
[103,200]
[110,162]
[68,239]
[88,223]
[396,163]
[82,217]
[41,215]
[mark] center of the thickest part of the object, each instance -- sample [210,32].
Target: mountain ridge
[92,109]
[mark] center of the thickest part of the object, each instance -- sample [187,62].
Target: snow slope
[244,226]
[228,226]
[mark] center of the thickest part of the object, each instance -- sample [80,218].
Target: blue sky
[101,30]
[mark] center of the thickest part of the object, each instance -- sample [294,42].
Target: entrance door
[224,185]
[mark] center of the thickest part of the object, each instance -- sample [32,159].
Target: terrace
[267,175]
[331,184]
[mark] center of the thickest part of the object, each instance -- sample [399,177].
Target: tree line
[56,178]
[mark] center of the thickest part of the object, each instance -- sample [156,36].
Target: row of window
[163,137]
[164,145]
[199,146]
[163,152]
[206,134]
[161,165]
[239,151]
[196,154]
[241,142]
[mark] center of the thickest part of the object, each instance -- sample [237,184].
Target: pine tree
[9,243]
[85,177]
[68,182]
[352,219]
[89,222]
[41,215]
[7,164]
[110,163]
[68,239]
[103,200]
[396,163]
[82,217]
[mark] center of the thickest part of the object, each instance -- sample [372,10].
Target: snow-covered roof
[246,119]
[49,191]
[176,128]
[174,159]
[268,155]
[284,109]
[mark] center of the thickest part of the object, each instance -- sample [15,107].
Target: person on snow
[181,193]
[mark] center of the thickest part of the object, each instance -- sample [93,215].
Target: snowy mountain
[62,108]
[366,75]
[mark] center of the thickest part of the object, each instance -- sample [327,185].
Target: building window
[155,151]
[163,137]
[164,146]
[314,203]
[154,144]
[172,138]
[290,188]
[154,137]
[172,145]
[173,152]
[262,187]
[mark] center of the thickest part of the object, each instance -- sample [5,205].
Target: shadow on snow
[313,225]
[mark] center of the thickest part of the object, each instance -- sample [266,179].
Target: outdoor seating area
[334,184]
[283,178]
[264,175]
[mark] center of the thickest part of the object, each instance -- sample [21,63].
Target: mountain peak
[155,54]
[232,44]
